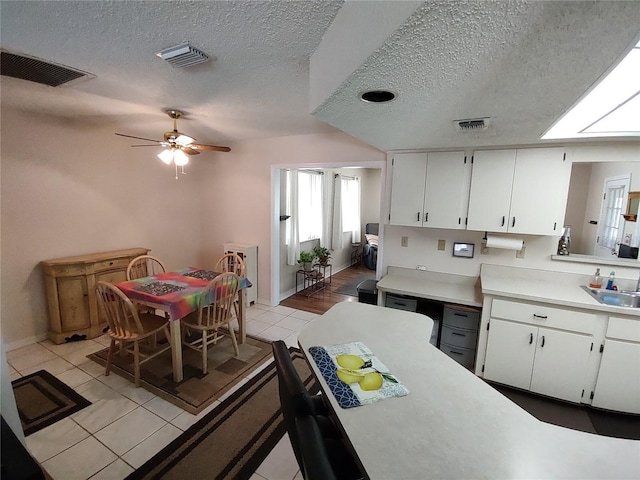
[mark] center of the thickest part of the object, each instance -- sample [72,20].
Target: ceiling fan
[177,145]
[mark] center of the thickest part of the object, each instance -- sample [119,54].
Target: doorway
[610,223]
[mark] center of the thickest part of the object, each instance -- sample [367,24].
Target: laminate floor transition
[327,298]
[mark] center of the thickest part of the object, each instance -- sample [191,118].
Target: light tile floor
[125,426]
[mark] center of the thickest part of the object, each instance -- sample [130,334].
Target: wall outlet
[441,244]
[421,267]
[404,242]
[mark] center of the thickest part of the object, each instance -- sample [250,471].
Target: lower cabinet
[618,383]
[543,359]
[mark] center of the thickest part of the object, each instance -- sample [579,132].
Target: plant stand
[323,269]
[312,282]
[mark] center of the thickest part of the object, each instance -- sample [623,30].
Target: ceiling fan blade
[145,145]
[138,138]
[216,148]
[190,151]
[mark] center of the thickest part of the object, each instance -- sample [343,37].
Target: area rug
[42,400]
[351,288]
[232,440]
[196,391]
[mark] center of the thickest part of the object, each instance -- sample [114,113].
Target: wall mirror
[632,207]
[585,200]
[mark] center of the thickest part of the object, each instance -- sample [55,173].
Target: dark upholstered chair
[296,401]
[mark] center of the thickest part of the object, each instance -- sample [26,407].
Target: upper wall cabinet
[519,191]
[430,189]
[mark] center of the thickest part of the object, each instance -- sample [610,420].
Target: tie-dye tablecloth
[178,291]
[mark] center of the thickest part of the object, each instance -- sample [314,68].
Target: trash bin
[368,292]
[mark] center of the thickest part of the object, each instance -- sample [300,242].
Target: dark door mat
[42,400]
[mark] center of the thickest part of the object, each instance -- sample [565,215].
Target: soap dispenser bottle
[612,279]
[596,280]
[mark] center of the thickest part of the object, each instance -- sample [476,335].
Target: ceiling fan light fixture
[166,156]
[184,140]
[180,158]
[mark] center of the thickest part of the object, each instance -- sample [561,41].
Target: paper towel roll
[504,242]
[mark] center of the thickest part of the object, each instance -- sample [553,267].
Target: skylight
[611,109]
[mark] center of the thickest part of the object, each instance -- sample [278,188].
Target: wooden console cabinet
[70,284]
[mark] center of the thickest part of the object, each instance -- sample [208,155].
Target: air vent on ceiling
[471,124]
[39,71]
[183,55]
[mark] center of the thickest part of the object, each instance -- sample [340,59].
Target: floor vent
[471,124]
[39,71]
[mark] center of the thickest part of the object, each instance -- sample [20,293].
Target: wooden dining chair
[129,326]
[232,262]
[215,309]
[144,266]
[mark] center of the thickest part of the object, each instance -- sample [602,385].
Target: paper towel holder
[485,250]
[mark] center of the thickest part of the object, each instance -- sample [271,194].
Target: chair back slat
[120,313]
[144,266]
[216,300]
[231,262]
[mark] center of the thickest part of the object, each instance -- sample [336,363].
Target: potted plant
[306,260]
[323,254]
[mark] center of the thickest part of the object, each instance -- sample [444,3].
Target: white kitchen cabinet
[430,189]
[618,383]
[519,191]
[539,348]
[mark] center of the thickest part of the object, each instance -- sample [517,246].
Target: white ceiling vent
[472,124]
[183,55]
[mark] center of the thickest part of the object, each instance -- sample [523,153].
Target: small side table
[323,269]
[312,282]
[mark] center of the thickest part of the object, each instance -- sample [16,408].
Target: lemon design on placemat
[348,373]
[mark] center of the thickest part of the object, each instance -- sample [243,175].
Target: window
[309,206]
[350,205]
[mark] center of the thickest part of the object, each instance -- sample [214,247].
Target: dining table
[446,422]
[177,293]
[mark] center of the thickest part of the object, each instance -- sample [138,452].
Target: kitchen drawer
[401,303]
[458,337]
[464,356]
[459,317]
[544,315]
[621,328]
[115,263]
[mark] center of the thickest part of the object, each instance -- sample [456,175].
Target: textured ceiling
[523,64]
[256,87]
[520,63]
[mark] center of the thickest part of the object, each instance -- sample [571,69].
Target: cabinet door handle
[426,216]
[459,334]
[503,219]
[418,216]
[461,315]
[542,317]
[530,338]
[513,222]
[542,344]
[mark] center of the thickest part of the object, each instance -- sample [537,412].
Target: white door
[510,351]
[491,184]
[560,364]
[447,190]
[407,189]
[540,189]
[611,222]
[618,384]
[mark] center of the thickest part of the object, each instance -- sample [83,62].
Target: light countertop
[559,288]
[451,424]
[443,287]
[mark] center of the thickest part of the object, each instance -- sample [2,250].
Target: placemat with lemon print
[355,375]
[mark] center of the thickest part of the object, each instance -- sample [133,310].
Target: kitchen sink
[614,297]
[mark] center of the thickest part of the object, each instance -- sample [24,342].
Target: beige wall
[70,188]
